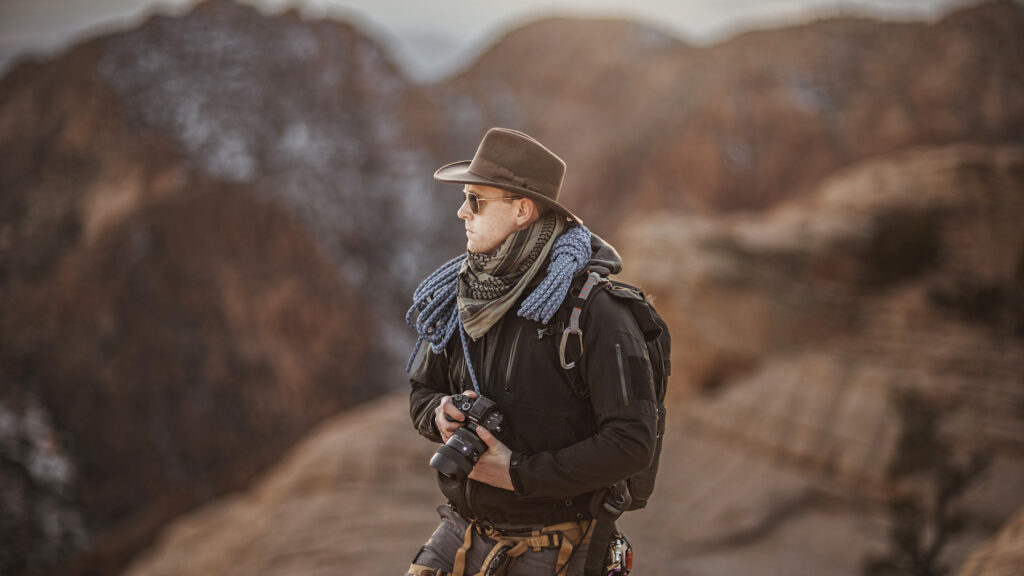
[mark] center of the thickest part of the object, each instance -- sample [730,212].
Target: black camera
[462,451]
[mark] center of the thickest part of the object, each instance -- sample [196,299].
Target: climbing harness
[510,545]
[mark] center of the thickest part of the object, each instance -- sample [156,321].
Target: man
[578,405]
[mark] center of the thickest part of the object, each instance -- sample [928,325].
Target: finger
[443,410]
[470,393]
[486,436]
[445,426]
[453,414]
[447,430]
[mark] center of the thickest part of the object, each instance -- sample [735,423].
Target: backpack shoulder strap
[580,302]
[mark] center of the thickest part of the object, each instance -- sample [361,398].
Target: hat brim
[458,173]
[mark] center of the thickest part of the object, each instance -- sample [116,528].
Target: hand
[448,418]
[492,468]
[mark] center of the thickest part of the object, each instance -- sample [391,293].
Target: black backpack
[659,345]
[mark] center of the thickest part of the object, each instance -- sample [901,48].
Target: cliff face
[193,349]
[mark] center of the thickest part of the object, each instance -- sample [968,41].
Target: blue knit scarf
[434,314]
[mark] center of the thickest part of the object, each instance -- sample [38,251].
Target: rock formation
[799,325]
[354,496]
[930,240]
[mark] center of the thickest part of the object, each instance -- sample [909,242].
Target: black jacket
[571,432]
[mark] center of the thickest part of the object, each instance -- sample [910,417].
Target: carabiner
[561,348]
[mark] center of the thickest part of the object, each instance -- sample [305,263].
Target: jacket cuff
[515,462]
[435,434]
[429,429]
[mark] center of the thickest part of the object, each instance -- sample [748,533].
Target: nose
[464,212]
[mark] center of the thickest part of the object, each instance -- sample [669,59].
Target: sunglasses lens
[474,202]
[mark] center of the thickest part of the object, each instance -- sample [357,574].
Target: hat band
[486,169]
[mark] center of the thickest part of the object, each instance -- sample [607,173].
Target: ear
[527,212]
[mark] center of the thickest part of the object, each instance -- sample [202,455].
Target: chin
[475,249]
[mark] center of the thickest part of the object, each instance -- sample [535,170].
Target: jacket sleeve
[618,376]
[429,381]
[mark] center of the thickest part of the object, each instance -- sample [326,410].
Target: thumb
[487,437]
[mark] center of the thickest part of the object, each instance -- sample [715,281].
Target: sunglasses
[474,200]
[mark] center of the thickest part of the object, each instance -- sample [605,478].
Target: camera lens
[456,458]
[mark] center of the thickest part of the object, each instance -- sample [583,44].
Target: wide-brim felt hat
[515,162]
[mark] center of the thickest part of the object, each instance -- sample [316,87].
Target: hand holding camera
[448,418]
[460,453]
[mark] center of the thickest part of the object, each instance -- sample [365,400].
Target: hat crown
[514,158]
[513,161]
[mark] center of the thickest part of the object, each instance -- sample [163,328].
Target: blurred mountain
[207,231]
[919,243]
[210,226]
[575,84]
[801,324]
[646,122]
[171,360]
[354,496]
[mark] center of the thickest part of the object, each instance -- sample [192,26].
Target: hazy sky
[431,38]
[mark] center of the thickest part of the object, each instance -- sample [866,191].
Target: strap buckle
[618,498]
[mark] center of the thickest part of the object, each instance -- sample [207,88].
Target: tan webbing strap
[421,570]
[459,568]
[565,536]
[562,564]
[565,553]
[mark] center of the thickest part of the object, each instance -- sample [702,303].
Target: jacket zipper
[622,373]
[512,359]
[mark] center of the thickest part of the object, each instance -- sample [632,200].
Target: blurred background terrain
[211,223]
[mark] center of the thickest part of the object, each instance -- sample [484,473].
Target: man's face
[496,219]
